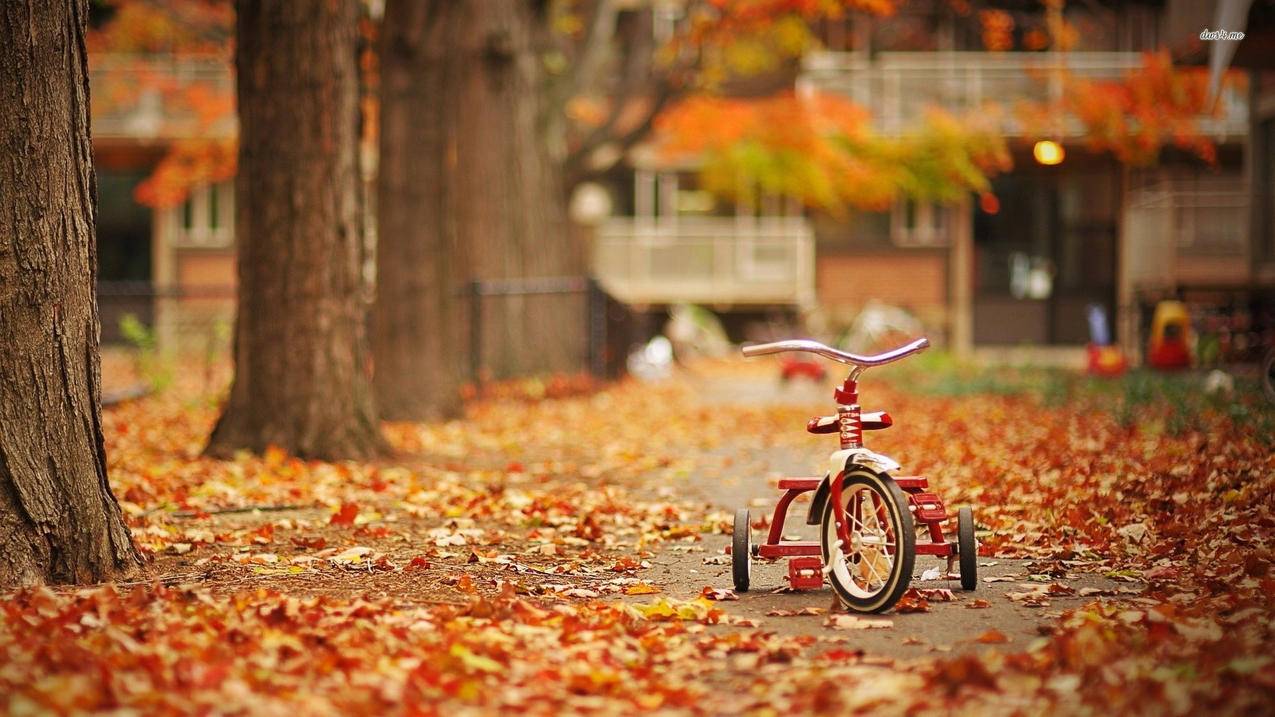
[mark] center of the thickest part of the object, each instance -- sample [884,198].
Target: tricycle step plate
[788,550]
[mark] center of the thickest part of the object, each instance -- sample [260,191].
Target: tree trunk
[302,379]
[59,521]
[466,191]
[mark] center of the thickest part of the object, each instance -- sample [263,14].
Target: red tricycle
[868,518]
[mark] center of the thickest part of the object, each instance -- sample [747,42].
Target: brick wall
[916,280]
[206,268]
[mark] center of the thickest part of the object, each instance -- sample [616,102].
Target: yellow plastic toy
[1169,348]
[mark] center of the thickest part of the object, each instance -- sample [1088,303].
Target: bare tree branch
[594,50]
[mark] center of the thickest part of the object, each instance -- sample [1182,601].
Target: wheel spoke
[872,567]
[865,563]
[855,518]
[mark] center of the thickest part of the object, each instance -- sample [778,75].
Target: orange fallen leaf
[346,515]
[718,593]
[992,637]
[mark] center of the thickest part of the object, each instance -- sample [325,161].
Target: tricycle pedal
[805,573]
[928,507]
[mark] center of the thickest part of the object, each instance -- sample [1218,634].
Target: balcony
[158,97]
[899,86]
[1187,232]
[731,261]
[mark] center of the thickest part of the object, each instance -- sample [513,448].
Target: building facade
[1024,270]
[1060,238]
[170,266]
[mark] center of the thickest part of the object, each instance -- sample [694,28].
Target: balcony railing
[707,260]
[146,97]
[899,86]
[1171,226]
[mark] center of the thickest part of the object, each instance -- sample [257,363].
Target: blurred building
[1241,312]
[1086,231]
[171,266]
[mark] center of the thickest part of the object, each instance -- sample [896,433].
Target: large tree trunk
[466,191]
[301,368]
[59,521]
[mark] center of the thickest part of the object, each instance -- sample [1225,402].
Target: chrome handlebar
[849,359]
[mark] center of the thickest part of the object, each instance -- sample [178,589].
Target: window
[214,216]
[918,224]
[206,218]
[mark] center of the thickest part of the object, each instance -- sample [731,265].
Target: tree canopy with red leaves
[1136,116]
[821,150]
[172,59]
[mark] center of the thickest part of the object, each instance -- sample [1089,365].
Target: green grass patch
[1174,403]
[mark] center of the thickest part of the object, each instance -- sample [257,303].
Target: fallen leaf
[854,622]
[796,613]
[912,601]
[992,637]
[345,515]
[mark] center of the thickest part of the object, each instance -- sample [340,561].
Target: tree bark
[302,375]
[59,521]
[466,191]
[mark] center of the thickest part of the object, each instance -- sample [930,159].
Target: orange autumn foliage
[168,27]
[1134,117]
[188,164]
[820,149]
[162,52]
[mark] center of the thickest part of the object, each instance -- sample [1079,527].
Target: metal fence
[138,316]
[175,319]
[607,324]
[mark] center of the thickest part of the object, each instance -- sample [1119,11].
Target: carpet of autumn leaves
[491,564]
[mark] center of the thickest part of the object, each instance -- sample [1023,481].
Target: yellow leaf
[473,661]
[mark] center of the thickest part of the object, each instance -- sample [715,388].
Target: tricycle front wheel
[874,570]
[741,551]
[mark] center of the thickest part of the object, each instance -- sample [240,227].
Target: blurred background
[1004,176]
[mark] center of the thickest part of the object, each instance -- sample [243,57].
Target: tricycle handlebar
[815,347]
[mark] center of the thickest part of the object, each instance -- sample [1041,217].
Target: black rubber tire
[901,575]
[967,547]
[741,551]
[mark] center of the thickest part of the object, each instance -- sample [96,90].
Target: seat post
[849,417]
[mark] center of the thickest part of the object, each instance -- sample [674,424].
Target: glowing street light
[1048,152]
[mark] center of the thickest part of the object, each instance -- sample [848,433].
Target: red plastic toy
[868,518]
[797,367]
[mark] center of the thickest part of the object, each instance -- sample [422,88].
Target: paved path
[684,570]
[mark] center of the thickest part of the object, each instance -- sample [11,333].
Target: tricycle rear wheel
[741,551]
[967,547]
